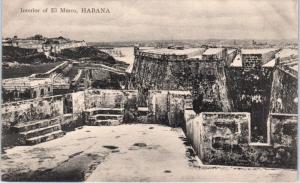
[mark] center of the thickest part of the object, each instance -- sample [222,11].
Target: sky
[133,20]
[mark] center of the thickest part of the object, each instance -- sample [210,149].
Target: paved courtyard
[137,152]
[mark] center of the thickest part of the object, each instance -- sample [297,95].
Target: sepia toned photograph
[149,91]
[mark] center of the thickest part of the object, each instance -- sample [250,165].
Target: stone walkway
[137,152]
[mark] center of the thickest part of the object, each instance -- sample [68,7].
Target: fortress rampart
[205,91]
[224,80]
[193,70]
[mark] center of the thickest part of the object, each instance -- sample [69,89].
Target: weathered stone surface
[44,138]
[40,131]
[104,116]
[254,99]
[131,106]
[284,95]
[283,130]
[78,102]
[29,110]
[33,132]
[205,78]
[105,122]
[167,107]
[158,106]
[22,127]
[71,121]
[224,139]
[104,98]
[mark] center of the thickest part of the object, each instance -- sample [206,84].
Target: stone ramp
[34,132]
[104,116]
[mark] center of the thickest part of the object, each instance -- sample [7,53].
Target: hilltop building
[43,44]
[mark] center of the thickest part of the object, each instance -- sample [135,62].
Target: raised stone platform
[94,111]
[44,138]
[23,127]
[35,132]
[104,116]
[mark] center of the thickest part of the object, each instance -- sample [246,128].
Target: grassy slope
[26,70]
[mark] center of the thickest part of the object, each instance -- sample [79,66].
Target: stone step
[40,131]
[94,111]
[143,111]
[106,117]
[44,138]
[23,127]
[105,123]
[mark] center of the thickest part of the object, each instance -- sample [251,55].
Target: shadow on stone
[139,144]
[110,147]
[167,171]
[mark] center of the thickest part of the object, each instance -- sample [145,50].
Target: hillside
[22,70]
[87,53]
[20,62]
[30,56]
[23,55]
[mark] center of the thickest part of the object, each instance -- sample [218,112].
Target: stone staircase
[104,116]
[34,132]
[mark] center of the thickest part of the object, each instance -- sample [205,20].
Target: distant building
[214,54]
[256,58]
[287,61]
[43,44]
[26,88]
[6,42]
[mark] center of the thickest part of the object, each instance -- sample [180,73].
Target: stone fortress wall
[203,76]
[164,95]
[250,119]
[217,137]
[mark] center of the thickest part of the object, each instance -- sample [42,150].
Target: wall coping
[261,144]
[28,100]
[111,90]
[247,113]
[283,114]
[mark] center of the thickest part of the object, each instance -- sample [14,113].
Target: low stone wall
[104,98]
[130,106]
[71,121]
[224,139]
[216,136]
[126,99]
[78,101]
[167,107]
[176,107]
[69,108]
[30,110]
[164,107]
[26,111]
[158,106]
[73,103]
[283,130]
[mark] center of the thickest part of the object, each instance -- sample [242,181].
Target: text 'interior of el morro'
[236,105]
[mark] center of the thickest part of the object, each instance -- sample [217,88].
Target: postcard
[149,91]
